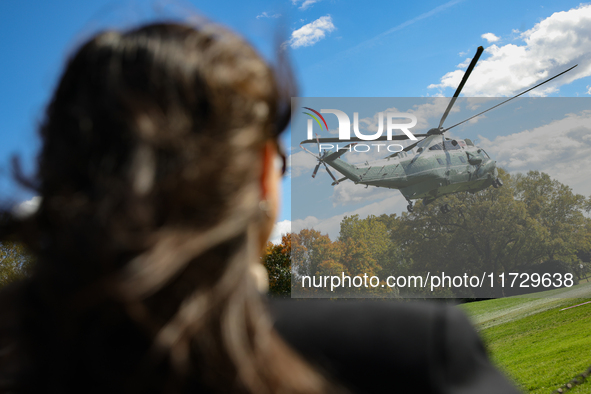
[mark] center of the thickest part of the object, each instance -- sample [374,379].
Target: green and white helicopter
[427,169]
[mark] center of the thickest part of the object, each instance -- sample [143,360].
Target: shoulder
[426,347]
[12,356]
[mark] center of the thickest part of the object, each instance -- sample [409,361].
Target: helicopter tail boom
[349,171]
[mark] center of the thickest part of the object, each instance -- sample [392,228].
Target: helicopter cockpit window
[485,154]
[448,146]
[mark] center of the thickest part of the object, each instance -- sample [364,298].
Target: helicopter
[427,169]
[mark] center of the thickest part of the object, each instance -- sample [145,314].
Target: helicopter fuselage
[430,172]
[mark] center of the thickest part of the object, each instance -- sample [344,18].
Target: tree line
[533,224]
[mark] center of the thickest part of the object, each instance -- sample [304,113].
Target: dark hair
[150,182]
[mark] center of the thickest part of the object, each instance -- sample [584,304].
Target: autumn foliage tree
[530,220]
[364,244]
[313,253]
[15,262]
[520,227]
[277,261]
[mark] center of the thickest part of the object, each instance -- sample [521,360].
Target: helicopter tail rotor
[330,173]
[316,169]
[321,157]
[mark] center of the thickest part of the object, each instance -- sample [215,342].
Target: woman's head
[158,187]
[166,111]
[164,126]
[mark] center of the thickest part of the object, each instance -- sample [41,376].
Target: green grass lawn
[539,346]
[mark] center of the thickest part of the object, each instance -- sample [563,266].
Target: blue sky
[338,49]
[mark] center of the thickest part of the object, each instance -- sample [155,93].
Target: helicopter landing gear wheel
[497,183]
[445,208]
[409,207]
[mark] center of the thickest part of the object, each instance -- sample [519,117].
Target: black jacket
[378,347]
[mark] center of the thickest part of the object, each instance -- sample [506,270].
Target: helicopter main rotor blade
[405,149]
[461,86]
[355,139]
[318,142]
[316,169]
[506,101]
[330,173]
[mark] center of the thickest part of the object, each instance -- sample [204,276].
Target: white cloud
[280,228]
[311,33]
[465,63]
[429,112]
[473,103]
[451,79]
[301,163]
[550,47]
[330,226]
[305,3]
[300,224]
[588,89]
[490,37]
[561,149]
[347,192]
[27,208]
[267,15]
[477,119]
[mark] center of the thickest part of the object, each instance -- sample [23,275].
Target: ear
[269,174]
[269,186]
